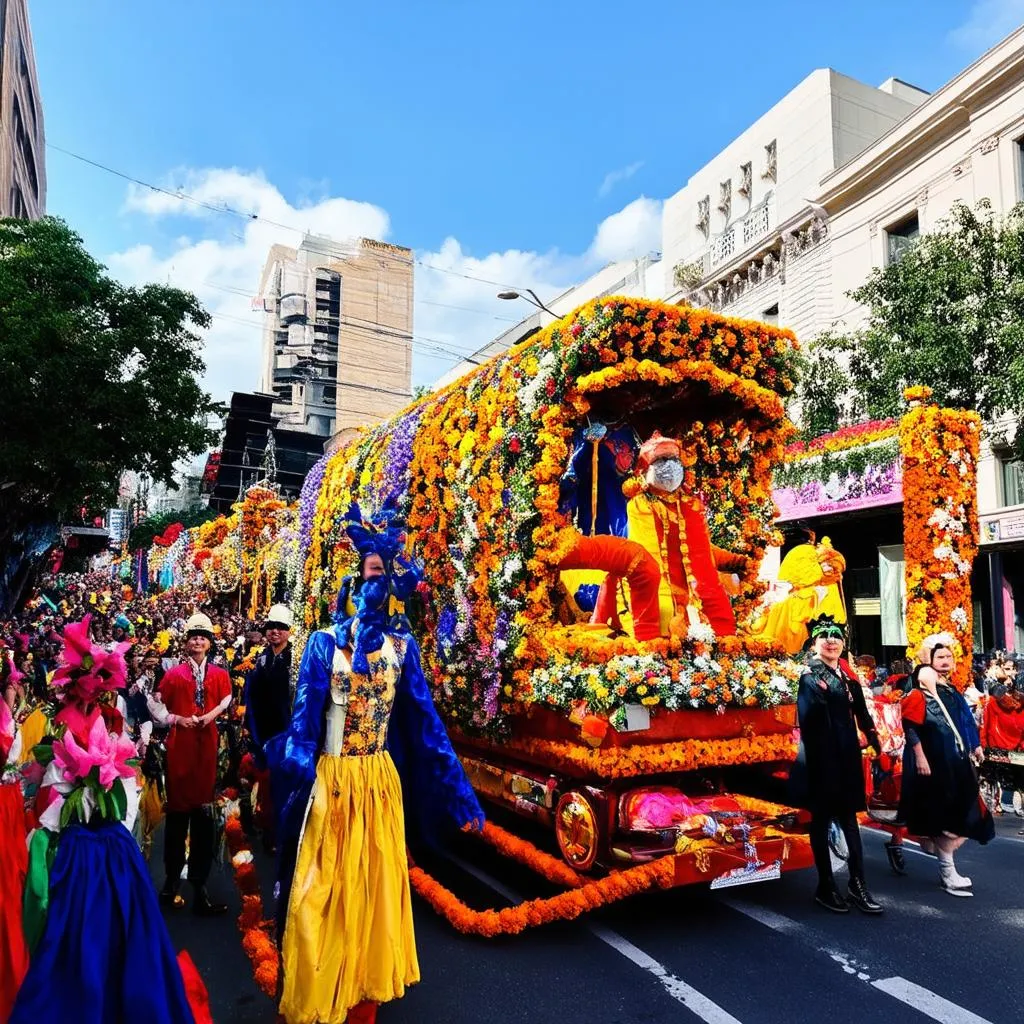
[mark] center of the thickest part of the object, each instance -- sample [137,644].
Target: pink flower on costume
[109,753]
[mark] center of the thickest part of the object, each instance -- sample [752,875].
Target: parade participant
[671,525]
[13,864]
[192,696]
[940,799]
[268,706]
[348,939]
[99,949]
[828,776]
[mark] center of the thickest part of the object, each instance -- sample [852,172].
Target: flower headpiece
[826,626]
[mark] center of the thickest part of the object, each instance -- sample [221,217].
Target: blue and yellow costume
[365,745]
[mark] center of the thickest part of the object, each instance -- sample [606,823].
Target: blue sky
[524,143]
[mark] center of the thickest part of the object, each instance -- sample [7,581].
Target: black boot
[169,894]
[203,906]
[861,898]
[894,851]
[831,899]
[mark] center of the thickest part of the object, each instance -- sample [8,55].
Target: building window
[1020,168]
[771,315]
[330,395]
[1013,481]
[901,236]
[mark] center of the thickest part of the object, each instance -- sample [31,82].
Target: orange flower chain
[940,523]
[255,929]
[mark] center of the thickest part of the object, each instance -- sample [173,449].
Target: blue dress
[105,956]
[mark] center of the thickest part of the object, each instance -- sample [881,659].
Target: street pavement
[758,954]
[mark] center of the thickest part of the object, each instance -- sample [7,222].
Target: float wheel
[577,830]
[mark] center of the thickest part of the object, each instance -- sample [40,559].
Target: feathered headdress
[383,534]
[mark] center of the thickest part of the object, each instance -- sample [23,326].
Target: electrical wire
[224,208]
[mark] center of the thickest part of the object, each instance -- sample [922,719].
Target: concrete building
[22,140]
[643,278]
[745,235]
[337,343]
[837,180]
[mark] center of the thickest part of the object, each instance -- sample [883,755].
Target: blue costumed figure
[365,747]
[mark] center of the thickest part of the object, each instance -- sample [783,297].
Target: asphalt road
[759,954]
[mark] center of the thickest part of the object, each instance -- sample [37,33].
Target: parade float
[572,622]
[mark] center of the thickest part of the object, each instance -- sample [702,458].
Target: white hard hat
[279,613]
[199,624]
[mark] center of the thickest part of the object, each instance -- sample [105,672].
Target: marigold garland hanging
[940,523]
[255,929]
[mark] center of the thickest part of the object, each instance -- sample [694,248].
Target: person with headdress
[940,799]
[828,775]
[192,696]
[671,525]
[99,949]
[364,745]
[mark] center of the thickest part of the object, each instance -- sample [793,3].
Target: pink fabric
[666,808]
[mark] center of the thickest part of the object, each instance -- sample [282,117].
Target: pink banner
[877,486]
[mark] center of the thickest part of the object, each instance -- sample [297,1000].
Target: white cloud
[634,231]
[221,257]
[988,21]
[612,178]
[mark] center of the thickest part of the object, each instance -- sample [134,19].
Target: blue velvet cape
[436,794]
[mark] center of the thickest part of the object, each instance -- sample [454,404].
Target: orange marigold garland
[940,523]
[255,929]
[566,906]
[653,758]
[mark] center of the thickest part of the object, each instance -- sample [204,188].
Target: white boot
[959,881]
[949,879]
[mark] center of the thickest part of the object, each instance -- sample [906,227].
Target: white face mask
[666,475]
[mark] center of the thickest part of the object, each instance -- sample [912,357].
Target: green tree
[949,314]
[99,377]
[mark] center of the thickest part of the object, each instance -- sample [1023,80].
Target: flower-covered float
[591,509]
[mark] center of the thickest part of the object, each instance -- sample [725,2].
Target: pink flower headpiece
[88,670]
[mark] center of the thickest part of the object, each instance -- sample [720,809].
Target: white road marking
[696,1002]
[916,996]
[927,1002]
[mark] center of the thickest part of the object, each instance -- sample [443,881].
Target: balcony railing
[735,239]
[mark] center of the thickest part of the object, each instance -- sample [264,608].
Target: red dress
[192,753]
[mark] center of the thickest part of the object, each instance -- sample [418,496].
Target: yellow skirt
[349,933]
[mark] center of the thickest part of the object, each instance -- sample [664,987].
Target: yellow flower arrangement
[476,470]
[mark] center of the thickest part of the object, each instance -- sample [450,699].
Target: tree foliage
[153,526]
[100,377]
[948,314]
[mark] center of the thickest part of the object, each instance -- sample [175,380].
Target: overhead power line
[224,208]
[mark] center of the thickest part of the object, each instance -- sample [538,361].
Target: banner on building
[892,588]
[876,487]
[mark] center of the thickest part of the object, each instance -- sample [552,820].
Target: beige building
[746,235]
[337,344]
[22,147]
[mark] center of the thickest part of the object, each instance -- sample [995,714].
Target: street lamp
[530,295]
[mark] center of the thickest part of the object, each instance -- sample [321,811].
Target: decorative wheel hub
[576,830]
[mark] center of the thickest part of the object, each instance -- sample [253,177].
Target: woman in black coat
[828,776]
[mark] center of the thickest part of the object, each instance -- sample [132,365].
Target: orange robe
[675,531]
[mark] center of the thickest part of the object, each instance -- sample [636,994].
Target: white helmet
[279,613]
[199,624]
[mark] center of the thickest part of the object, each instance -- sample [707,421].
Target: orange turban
[656,447]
